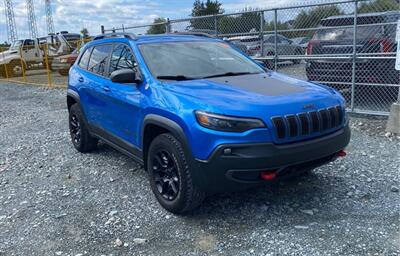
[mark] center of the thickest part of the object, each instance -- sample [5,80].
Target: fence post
[353,71]
[5,67]
[216,25]
[22,62]
[276,39]
[262,33]
[167,27]
[46,59]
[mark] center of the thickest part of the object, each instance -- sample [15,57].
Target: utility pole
[49,17]
[10,21]
[31,18]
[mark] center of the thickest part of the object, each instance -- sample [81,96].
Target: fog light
[227,151]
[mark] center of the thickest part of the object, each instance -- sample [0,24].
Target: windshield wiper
[176,77]
[231,74]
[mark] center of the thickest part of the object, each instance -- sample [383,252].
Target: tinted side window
[84,61]
[122,58]
[29,42]
[99,59]
[271,39]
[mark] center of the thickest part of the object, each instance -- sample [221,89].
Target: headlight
[227,123]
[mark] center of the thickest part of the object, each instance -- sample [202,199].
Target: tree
[85,33]
[201,8]
[209,7]
[249,20]
[159,26]
[312,18]
[379,6]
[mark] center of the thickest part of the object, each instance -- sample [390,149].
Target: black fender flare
[73,94]
[178,132]
[167,124]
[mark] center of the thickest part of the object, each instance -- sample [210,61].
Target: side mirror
[124,76]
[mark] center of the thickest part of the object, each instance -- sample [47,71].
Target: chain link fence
[348,45]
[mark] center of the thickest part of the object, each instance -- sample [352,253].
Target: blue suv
[201,116]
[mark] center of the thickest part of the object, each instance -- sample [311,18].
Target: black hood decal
[262,84]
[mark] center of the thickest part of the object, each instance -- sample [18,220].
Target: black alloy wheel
[166,176]
[75,129]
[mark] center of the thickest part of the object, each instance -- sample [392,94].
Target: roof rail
[118,34]
[193,34]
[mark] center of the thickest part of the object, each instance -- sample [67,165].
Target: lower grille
[304,124]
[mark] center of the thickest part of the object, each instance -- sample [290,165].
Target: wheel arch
[72,98]
[154,125]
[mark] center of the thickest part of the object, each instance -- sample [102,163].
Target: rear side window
[99,59]
[84,61]
[122,58]
[271,39]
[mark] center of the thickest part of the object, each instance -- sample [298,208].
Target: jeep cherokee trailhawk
[201,116]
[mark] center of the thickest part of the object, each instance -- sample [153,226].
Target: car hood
[7,54]
[256,94]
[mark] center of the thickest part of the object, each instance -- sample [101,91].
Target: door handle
[80,79]
[106,88]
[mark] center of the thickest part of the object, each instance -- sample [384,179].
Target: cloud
[73,15]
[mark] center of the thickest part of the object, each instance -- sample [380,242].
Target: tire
[269,64]
[80,136]
[170,175]
[2,71]
[15,68]
[296,61]
[63,72]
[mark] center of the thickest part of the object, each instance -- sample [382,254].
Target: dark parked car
[252,46]
[375,37]
[285,46]
[302,41]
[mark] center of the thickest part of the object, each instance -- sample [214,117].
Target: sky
[73,15]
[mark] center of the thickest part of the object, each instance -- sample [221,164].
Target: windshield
[195,59]
[16,45]
[73,40]
[347,33]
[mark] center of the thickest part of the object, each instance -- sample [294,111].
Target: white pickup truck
[29,53]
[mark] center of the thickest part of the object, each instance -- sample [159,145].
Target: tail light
[386,45]
[255,48]
[310,46]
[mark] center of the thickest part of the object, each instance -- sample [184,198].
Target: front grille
[304,124]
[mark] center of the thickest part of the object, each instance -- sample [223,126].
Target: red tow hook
[268,175]
[341,153]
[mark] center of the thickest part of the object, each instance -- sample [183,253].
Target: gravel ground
[56,201]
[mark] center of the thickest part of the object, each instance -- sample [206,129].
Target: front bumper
[57,65]
[238,166]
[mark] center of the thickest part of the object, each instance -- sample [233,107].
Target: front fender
[6,59]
